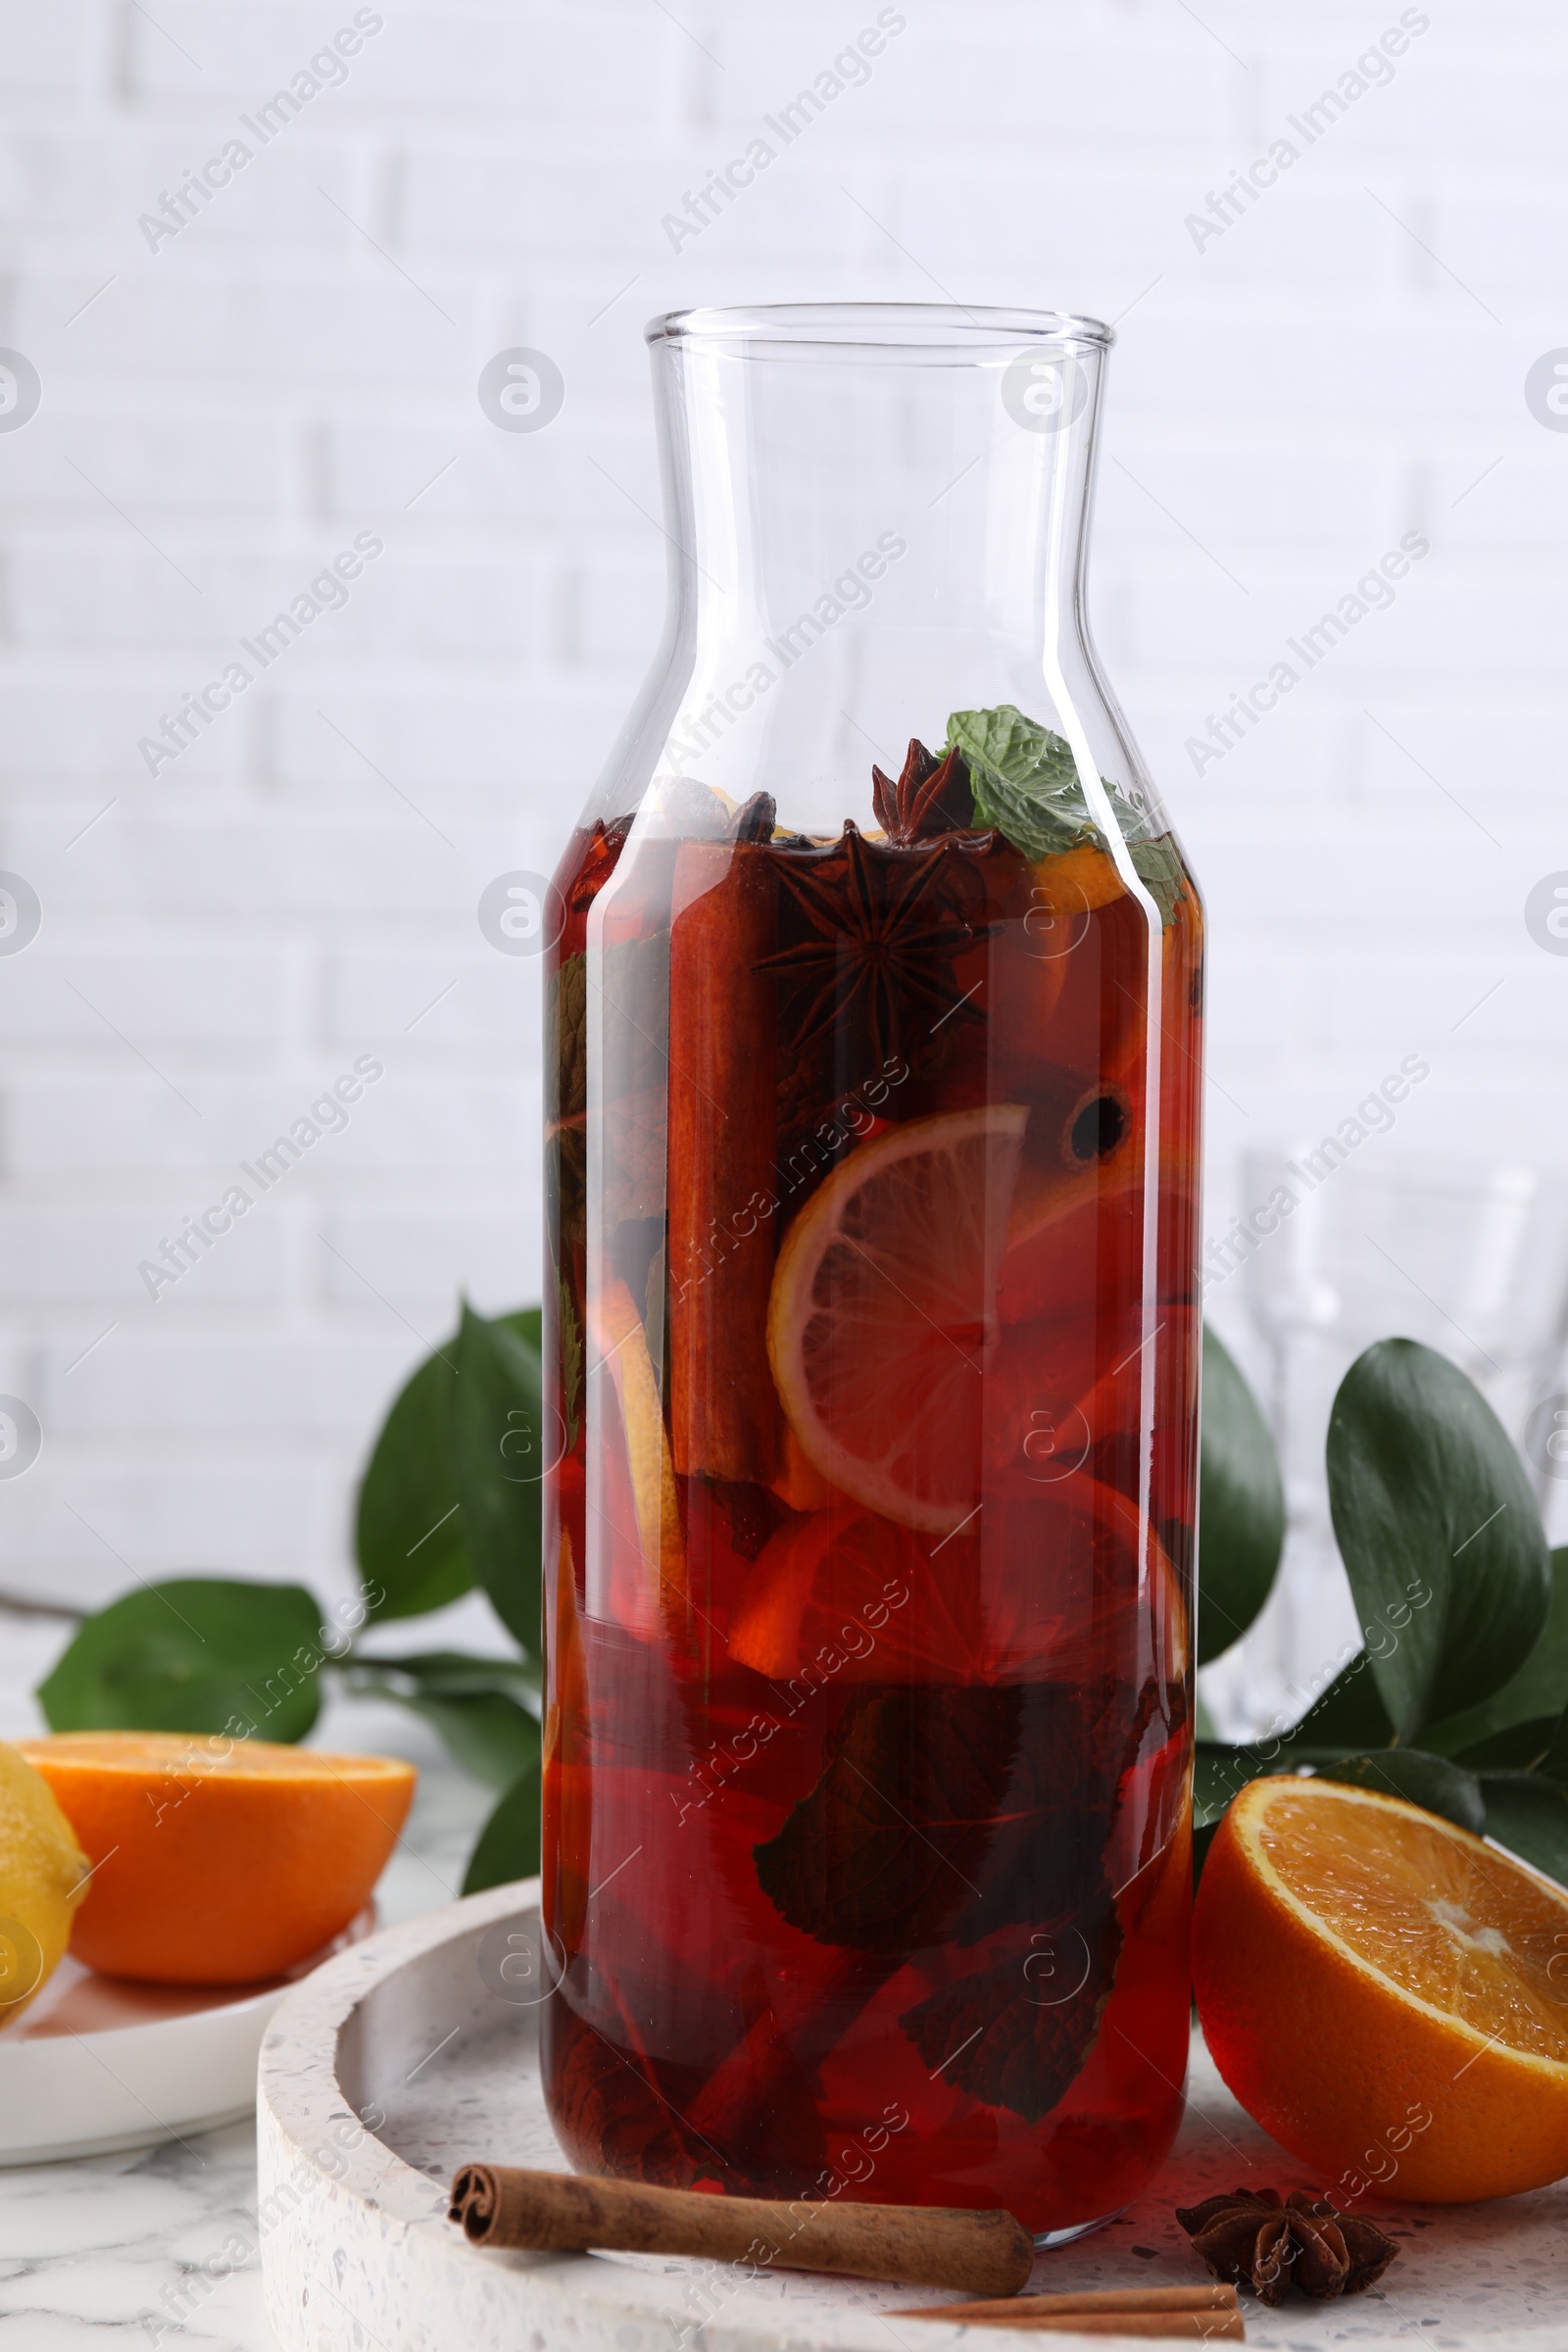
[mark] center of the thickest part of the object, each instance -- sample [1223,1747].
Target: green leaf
[1025,782]
[411,1538]
[196,1653]
[496,1441]
[1241,1510]
[1431,1782]
[1349,1715]
[1553,1765]
[1538,1688]
[489,1735]
[1024,779]
[1521,1747]
[1221,1770]
[508,1846]
[1529,1815]
[408,1534]
[458,1673]
[487,1710]
[1158,864]
[1438,1531]
[1220,1773]
[1345,1720]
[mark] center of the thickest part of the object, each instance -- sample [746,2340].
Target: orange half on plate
[218,1861]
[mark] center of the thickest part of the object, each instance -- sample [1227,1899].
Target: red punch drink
[872,1148]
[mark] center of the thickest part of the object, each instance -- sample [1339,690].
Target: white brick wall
[223,415]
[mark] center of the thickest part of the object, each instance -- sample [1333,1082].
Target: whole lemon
[43,1876]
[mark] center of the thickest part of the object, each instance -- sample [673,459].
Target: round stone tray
[419,2049]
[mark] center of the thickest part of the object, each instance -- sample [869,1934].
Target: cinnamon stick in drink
[724,1415]
[504,2205]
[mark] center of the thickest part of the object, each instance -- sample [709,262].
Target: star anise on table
[925,800]
[1255,2238]
[882,928]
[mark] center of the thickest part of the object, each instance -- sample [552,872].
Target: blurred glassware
[1470,1258]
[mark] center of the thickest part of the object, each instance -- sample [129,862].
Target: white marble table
[96,2255]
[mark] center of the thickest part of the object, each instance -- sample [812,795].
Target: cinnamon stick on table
[929,2245]
[1201,2294]
[1188,2326]
[1199,2312]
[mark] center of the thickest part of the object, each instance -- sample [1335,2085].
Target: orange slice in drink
[844,1594]
[1026,1590]
[1385,1994]
[882,1308]
[1075,1241]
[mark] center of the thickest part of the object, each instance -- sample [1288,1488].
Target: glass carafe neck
[877,515]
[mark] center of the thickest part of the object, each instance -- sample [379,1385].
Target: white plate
[428,2033]
[96,2064]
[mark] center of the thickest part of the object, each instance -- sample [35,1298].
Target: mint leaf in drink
[1023,778]
[886,1852]
[963,1816]
[1158,864]
[1025,782]
[954,1812]
[1017,2032]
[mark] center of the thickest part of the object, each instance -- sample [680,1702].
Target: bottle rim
[942,330]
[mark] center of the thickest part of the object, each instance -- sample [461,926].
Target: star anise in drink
[880,929]
[1255,2238]
[931,797]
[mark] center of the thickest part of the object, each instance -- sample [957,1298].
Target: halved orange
[1386,1994]
[882,1306]
[218,1861]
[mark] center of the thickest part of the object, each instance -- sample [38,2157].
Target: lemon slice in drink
[884,1305]
[621,1342]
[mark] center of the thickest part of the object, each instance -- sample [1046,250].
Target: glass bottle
[874,1038]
